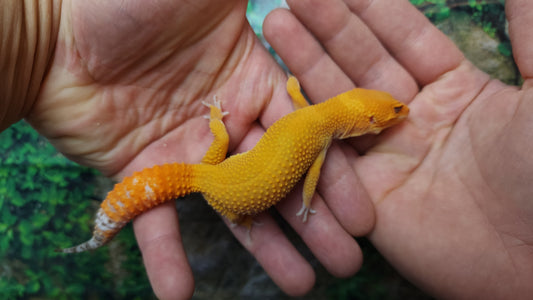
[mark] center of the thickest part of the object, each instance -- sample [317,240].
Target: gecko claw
[305,210]
[215,106]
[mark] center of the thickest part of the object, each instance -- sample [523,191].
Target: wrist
[28,32]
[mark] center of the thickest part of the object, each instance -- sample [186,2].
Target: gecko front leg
[311,180]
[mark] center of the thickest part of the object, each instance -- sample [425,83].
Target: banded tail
[136,194]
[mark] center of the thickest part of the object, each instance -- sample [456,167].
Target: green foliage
[505,49]
[435,10]
[489,15]
[45,204]
[486,13]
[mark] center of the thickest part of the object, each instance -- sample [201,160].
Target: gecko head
[377,110]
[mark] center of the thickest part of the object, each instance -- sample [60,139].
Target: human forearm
[28,31]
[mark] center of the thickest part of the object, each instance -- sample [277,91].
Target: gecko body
[245,184]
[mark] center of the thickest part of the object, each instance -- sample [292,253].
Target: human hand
[452,185]
[123,92]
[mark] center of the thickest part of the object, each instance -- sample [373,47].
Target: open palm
[451,186]
[124,91]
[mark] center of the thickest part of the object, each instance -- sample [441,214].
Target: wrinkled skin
[450,187]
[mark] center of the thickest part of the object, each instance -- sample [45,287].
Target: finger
[278,257]
[336,249]
[344,193]
[304,56]
[409,36]
[351,44]
[159,240]
[520,16]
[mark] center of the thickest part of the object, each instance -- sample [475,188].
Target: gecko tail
[104,231]
[135,195]
[91,244]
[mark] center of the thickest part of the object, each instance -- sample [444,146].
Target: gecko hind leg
[245,221]
[219,147]
[215,109]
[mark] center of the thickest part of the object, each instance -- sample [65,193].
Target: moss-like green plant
[487,13]
[45,203]
[490,15]
[435,10]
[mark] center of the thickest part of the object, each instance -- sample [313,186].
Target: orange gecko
[245,184]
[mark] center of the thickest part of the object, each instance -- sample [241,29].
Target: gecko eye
[398,109]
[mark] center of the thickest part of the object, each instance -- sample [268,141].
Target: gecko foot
[305,210]
[216,109]
[247,222]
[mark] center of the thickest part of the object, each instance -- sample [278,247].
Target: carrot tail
[134,195]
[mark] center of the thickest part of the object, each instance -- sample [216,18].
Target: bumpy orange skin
[248,183]
[146,189]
